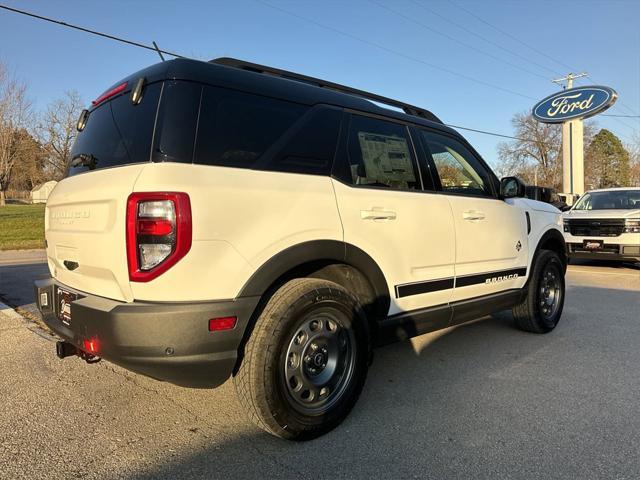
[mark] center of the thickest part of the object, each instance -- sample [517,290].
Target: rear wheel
[305,363]
[541,309]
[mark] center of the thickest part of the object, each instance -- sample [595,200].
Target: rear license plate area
[63,301]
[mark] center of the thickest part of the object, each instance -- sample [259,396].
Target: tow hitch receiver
[66,349]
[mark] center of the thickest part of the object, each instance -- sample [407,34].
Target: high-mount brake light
[158,232]
[109,93]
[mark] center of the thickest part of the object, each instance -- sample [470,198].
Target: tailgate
[85,231]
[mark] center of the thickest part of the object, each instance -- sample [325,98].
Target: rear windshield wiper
[84,160]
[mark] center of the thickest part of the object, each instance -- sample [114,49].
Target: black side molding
[418,322]
[428,286]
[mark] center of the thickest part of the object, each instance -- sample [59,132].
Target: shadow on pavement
[483,400]
[16,282]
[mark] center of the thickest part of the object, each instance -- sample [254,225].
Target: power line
[485,132]
[624,116]
[453,39]
[621,104]
[540,52]
[513,37]
[482,37]
[155,49]
[87,30]
[395,52]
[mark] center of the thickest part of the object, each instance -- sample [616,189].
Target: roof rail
[254,67]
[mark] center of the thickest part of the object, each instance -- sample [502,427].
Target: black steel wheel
[541,308]
[550,291]
[306,361]
[319,361]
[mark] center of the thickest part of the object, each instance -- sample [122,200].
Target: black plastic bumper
[604,256]
[166,341]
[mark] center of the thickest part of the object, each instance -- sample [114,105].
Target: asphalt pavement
[482,400]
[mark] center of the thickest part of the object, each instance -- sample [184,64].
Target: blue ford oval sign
[579,102]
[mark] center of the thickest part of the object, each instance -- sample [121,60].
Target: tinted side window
[379,155]
[118,132]
[459,170]
[177,122]
[236,128]
[311,146]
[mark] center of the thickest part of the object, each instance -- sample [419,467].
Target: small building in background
[40,193]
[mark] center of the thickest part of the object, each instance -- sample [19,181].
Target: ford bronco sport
[227,219]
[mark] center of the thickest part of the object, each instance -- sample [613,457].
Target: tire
[541,308]
[306,360]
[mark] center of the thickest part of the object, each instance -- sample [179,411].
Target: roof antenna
[158,50]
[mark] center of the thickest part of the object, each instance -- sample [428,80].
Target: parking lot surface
[482,400]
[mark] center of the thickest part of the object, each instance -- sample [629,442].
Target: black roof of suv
[240,75]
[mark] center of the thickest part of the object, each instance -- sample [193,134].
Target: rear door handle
[377,214]
[472,215]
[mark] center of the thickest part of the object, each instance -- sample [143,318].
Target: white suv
[605,224]
[229,219]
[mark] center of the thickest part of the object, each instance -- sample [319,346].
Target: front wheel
[305,363]
[541,308]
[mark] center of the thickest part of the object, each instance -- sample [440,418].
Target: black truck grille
[596,228]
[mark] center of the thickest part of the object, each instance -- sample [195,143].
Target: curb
[33,326]
[10,312]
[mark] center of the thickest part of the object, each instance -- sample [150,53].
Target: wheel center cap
[318,359]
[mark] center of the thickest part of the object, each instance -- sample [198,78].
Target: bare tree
[57,132]
[633,147]
[15,111]
[537,153]
[536,156]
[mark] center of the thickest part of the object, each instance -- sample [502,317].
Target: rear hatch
[86,212]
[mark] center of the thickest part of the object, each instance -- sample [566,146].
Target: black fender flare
[318,251]
[551,235]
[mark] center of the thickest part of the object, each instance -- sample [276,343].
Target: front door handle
[377,214]
[472,215]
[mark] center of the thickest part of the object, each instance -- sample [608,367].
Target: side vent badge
[518,246]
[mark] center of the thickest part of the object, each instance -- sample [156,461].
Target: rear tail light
[158,232]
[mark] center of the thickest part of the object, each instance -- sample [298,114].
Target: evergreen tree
[606,162]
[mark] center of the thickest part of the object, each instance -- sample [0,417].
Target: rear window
[118,132]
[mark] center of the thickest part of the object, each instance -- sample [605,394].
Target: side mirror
[512,187]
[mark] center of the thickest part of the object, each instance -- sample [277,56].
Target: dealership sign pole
[570,107]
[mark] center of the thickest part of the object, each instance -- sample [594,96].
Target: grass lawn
[21,227]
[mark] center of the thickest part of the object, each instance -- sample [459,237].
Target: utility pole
[572,147]
[569,79]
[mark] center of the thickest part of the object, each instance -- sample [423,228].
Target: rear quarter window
[236,128]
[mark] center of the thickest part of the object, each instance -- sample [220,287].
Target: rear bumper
[165,341]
